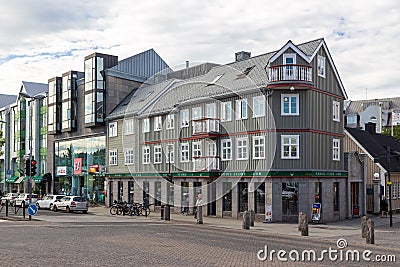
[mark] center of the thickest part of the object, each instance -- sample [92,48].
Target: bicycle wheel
[113,210]
[144,211]
[119,210]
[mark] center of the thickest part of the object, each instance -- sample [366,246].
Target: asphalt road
[64,239]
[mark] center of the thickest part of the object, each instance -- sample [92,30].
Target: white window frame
[184,118]
[113,129]
[157,154]
[113,157]
[129,127]
[184,155]
[223,149]
[394,190]
[211,111]
[211,148]
[170,121]
[226,111]
[289,71]
[336,111]
[398,189]
[259,147]
[146,155]
[241,109]
[196,113]
[146,125]
[336,149]
[157,123]
[290,145]
[129,156]
[321,66]
[258,106]
[242,148]
[290,113]
[169,148]
[196,150]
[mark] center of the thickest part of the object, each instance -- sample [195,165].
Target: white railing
[210,163]
[290,72]
[206,125]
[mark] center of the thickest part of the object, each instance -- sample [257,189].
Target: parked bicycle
[120,207]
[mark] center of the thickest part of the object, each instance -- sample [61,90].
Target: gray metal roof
[310,47]
[34,89]
[355,107]
[6,100]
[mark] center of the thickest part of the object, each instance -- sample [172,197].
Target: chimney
[370,127]
[187,64]
[242,55]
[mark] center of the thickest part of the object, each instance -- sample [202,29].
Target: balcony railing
[208,163]
[206,125]
[290,72]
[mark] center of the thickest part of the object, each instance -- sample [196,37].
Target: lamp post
[5,158]
[389,183]
[25,95]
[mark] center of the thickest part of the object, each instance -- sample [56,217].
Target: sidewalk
[349,229]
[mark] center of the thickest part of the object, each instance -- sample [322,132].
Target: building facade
[262,133]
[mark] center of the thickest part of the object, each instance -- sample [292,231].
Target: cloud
[54,36]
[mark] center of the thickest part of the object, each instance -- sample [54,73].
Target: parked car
[47,201]
[24,197]
[289,192]
[10,197]
[71,203]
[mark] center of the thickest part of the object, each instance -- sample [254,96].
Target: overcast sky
[40,39]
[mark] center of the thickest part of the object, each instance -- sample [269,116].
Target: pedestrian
[199,202]
[384,207]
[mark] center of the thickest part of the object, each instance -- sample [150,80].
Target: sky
[41,39]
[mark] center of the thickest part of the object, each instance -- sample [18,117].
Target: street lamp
[38,97]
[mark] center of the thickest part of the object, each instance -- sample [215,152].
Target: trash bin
[356,211]
[162,212]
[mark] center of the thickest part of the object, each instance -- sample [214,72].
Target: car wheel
[38,205]
[51,207]
[85,211]
[55,208]
[67,209]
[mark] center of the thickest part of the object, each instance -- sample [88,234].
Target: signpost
[316,212]
[32,209]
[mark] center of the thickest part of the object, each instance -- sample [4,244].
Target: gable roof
[6,100]
[358,106]
[34,89]
[376,146]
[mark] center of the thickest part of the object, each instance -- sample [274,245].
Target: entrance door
[110,192]
[354,194]
[212,195]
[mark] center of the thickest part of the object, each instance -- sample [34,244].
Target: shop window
[243,196]
[318,192]
[120,191]
[170,194]
[259,198]
[131,191]
[227,198]
[335,196]
[146,195]
[157,193]
[290,199]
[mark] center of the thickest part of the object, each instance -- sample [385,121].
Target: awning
[12,179]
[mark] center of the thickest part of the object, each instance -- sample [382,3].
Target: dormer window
[290,69]
[321,66]
[215,79]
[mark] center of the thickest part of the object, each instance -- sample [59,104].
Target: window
[129,156]
[336,149]
[113,157]
[226,111]
[398,189]
[210,111]
[259,198]
[258,106]
[351,119]
[336,111]
[289,68]
[258,147]
[196,150]
[335,196]
[289,146]
[146,125]
[112,129]
[321,66]
[157,123]
[128,126]
[289,104]
[146,155]
[157,154]
[196,113]
[241,148]
[170,121]
[394,190]
[226,149]
[227,198]
[170,153]
[243,196]
[185,152]
[241,109]
[184,114]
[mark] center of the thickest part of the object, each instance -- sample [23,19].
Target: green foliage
[2,141]
[396,132]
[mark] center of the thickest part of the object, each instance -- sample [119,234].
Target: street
[91,240]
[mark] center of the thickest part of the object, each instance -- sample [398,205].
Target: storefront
[79,168]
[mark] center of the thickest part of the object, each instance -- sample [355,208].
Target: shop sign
[268,213]
[316,212]
[61,170]
[77,166]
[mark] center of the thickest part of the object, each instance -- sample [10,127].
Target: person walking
[384,207]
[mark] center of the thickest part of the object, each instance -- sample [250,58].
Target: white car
[47,201]
[24,197]
[10,197]
[71,203]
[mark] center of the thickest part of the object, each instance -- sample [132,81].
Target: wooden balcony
[290,73]
[205,126]
[207,163]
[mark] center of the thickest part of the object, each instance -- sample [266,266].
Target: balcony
[208,163]
[290,73]
[205,126]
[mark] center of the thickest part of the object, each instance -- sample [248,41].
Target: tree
[396,132]
[2,141]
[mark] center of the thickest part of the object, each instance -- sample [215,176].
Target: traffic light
[33,167]
[169,177]
[27,167]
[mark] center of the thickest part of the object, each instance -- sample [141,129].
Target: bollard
[303,224]
[364,227]
[162,212]
[252,217]
[167,213]
[6,207]
[200,215]
[370,239]
[246,220]
[23,209]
